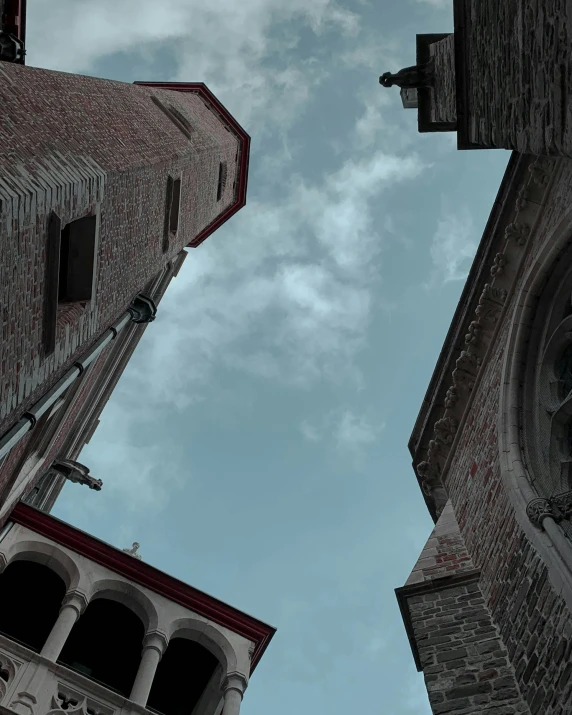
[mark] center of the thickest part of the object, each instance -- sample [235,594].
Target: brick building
[103,188]
[487,607]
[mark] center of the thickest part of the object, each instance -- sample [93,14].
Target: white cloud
[349,432]
[238,48]
[284,291]
[454,245]
[439,4]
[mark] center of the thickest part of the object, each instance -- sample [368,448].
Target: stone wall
[465,663]
[518,67]
[443,94]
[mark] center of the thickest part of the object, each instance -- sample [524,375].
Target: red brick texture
[78,145]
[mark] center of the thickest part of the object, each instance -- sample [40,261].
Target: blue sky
[256,446]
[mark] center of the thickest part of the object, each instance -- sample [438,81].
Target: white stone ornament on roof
[133,551]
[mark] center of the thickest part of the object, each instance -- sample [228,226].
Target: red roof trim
[148,576]
[205,93]
[14,18]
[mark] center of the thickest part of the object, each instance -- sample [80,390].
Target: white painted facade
[34,683]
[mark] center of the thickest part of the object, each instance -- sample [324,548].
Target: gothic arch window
[546,410]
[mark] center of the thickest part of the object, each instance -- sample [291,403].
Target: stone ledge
[404,593]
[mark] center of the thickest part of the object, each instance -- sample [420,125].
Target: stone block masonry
[465,663]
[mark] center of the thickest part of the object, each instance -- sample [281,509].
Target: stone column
[154,645]
[233,688]
[73,606]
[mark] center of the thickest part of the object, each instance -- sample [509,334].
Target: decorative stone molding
[67,701]
[497,268]
[481,330]
[76,600]
[156,640]
[8,670]
[557,507]
[235,681]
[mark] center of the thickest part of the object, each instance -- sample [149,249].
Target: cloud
[438,4]
[350,433]
[285,291]
[242,50]
[453,246]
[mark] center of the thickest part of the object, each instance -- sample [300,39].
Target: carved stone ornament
[562,503]
[478,336]
[133,551]
[539,509]
[8,669]
[490,305]
[540,172]
[76,473]
[451,398]
[445,430]
[473,337]
[414,77]
[499,264]
[67,700]
[518,232]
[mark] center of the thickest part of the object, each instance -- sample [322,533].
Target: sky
[256,445]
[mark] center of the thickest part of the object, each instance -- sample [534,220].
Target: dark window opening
[105,645]
[185,662]
[31,595]
[172,210]
[77,260]
[70,266]
[222,171]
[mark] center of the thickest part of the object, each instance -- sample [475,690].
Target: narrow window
[70,265]
[77,261]
[172,210]
[221,180]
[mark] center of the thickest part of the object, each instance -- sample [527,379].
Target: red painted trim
[148,576]
[201,89]
[14,18]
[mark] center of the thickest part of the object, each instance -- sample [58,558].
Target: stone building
[86,629]
[103,188]
[487,607]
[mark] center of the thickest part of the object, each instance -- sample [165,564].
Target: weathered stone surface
[443,93]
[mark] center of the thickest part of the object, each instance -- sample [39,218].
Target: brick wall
[465,663]
[519,67]
[79,145]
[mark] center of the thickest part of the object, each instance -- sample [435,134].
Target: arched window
[105,645]
[31,595]
[186,662]
[546,406]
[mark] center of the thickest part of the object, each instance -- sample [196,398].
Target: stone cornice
[479,314]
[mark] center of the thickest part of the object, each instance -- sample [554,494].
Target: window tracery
[546,415]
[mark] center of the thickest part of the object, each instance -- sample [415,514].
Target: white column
[154,645]
[233,689]
[73,606]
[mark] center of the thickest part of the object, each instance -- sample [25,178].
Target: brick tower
[102,187]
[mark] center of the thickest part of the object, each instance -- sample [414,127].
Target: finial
[133,551]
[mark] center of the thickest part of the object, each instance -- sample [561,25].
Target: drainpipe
[141,310]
